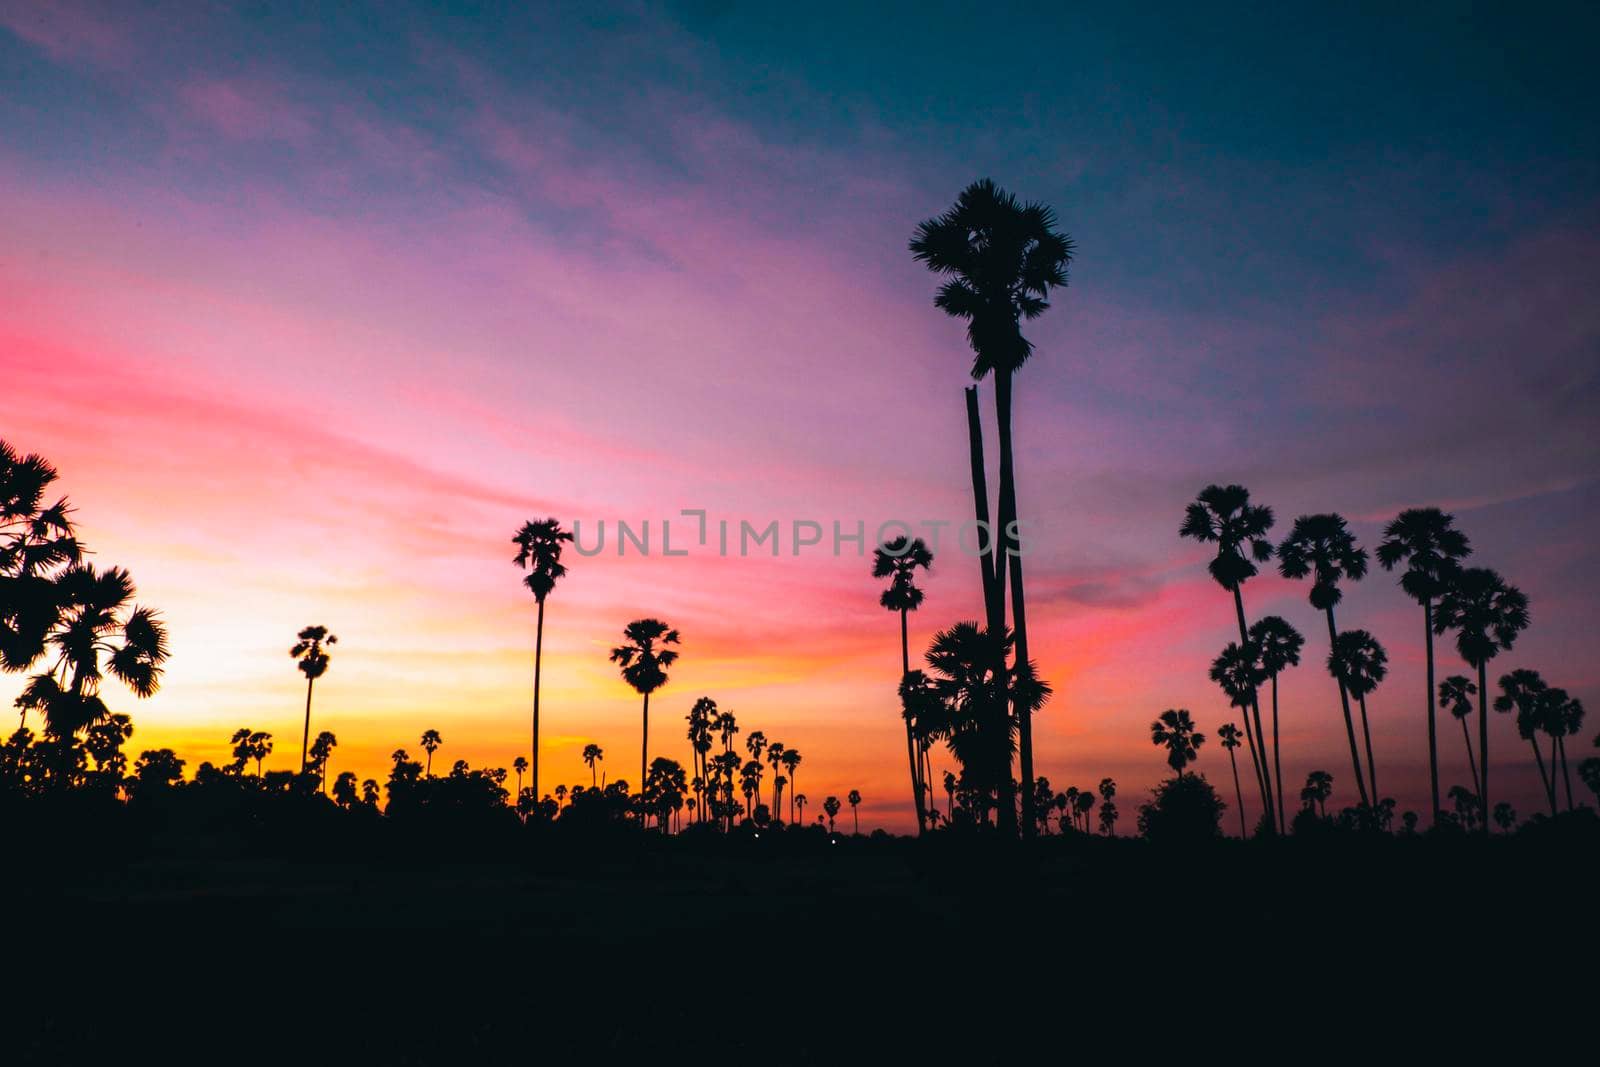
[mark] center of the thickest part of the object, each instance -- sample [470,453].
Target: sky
[313,308]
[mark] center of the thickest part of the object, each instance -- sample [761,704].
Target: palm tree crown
[1427,540]
[1278,642]
[1323,547]
[539,552]
[899,560]
[1175,731]
[311,650]
[1487,613]
[1003,258]
[1223,514]
[644,659]
[1360,660]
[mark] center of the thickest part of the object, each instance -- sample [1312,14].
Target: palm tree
[1002,259]
[1319,787]
[1239,673]
[1229,734]
[519,765]
[1456,693]
[1487,615]
[1505,817]
[311,650]
[1279,645]
[539,553]
[1525,691]
[1223,515]
[1563,717]
[1107,790]
[1175,732]
[702,719]
[322,751]
[830,805]
[1361,661]
[592,754]
[1427,540]
[898,560]
[791,760]
[775,757]
[430,741]
[1323,547]
[644,661]
[96,621]
[1467,805]
[854,800]
[37,543]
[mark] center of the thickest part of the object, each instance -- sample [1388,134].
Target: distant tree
[1426,539]
[1525,691]
[1487,615]
[1319,787]
[1323,547]
[1456,693]
[592,754]
[1183,808]
[1361,661]
[644,661]
[430,744]
[321,752]
[520,766]
[1505,817]
[1467,805]
[831,806]
[800,801]
[899,560]
[345,790]
[539,553]
[791,762]
[311,654]
[1175,732]
[854,799]
[250,745]
[369,793]
[157,769]
[1229,734]
[1279,645]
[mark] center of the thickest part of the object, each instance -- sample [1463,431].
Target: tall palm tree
[1238,672]
[853,798]
[791,761]
[98,629]
[311,650]
[1455,695]
[1323,547]
[539,553]
[1002,258]
[1361,661]
[1525,691]
[1229,735]
[1487,615]
[1279,644]
[1175,732]
[898,560]
[644,661]
[799,801]
[592,754]
[775,757]
[520,766]
[430,742]
[1563,716]
[701,718]
[37,543]
[1223,515]
[1427,541]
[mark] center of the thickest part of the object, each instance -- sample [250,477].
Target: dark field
[425,948]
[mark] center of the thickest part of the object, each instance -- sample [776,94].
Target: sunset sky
[312,308]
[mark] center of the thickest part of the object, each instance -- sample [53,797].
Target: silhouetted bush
[1182,809]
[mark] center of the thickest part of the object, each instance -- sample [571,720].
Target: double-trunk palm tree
[1229,735]
[1488,615]
[898,560]
[1426,540]
[1527,693]
[1455,695]
[1361,661]
[1323,547]
[539,553]
[644,661]
[1223,515]
[1001,258]
[311,652]
[1279,645]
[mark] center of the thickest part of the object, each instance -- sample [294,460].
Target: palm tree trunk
[1433,737]
[1546,780]
[857,816]
[1277,761]
[1366,736]
[538,659]
[911,750]
[1238,795]
[1259,761]
[305,738]
[994,601]
[1349,723]
[1472,764]
[1013,564]
[1566,773]
[644,741]
[1483,743]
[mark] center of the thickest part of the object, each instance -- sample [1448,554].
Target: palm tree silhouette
[1319,787]
[1468,806]
[1239,673]
[311,650]
[1108,807]
[250,745]
[1279,645]
[1002,259]
[1455,694]
[96,621]
[830,806]
[898,560]
[1526,691]
[520,766]
[37,543]
[1175,732]
[1223,515]
[775,757]
[854,800]
[1487,615]
[644,661]
[430,742]
[701,718]
[949,795]
[1427,540]
[1229,735]
[539,553]
[592,754]
[799,800]
[321,751]
[1323,547]
[1361,661]
[1505,817]
[791,760]
[1563,717]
